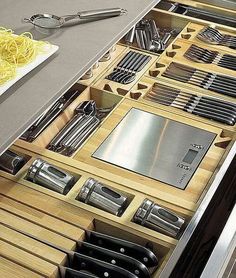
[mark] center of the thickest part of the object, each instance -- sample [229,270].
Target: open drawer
[114,190]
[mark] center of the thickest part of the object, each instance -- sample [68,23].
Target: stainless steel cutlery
[86,119]
[219,83]
[207,107]
[202,55]
[49,116]
[148,36]
[214,36]
[126,70]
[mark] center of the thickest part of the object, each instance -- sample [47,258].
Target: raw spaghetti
[7,71]
[16,51]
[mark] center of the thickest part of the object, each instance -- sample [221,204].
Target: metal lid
[86,189]
[33,169]
[143,211]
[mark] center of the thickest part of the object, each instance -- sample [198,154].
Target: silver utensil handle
[101,13]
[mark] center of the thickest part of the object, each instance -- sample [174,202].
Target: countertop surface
[80,46]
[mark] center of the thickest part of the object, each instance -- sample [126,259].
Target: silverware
[158,218]
[125,71]
[148,37]
[202,55]
[82,136]
[207,107]
[214,36]
[49,116]
[84,108]
[122,64]
[222,84]
[129,38]
[86,119]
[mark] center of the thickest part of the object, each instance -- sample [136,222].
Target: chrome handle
[101,13]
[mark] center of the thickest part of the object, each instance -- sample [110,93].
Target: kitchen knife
[115,258]
[128,248]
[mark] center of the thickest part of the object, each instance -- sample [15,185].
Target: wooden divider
[9,269]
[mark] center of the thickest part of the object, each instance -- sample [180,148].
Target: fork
[201,55]
[214,36]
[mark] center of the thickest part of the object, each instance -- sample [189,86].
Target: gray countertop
[80,46]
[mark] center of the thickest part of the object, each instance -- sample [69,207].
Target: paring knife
[97,267]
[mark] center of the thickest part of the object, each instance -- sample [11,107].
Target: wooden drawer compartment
[63,219]
[144,86]
[54,221]
[117,88]
[165,23]
[159,68]
[102,99]
[191,31]
[103,64]
[206,7]
[177,50]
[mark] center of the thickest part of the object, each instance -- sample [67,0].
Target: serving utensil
[51,21]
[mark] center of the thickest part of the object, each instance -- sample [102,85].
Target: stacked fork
[202,55]
[213,36]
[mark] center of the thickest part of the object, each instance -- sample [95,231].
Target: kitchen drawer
[65,214]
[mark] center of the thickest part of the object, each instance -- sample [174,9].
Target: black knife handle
[140,253]
[219,106]
[227,81]
[211,116]
[118,259]
[220,102]
[142,63]
[216,109]
[232,46]
[222,91]
[227,65]
[97,267]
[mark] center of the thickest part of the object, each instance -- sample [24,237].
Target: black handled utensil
[134,266]
[128,248]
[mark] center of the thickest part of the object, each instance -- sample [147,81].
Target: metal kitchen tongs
[50,21]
